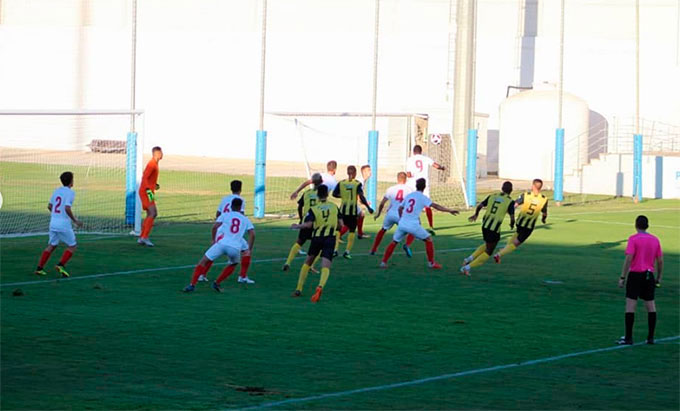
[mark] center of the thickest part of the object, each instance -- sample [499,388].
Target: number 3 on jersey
[235,225]
[411,204]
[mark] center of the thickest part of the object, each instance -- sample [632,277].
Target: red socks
[225,273]
[360,225]
[245,264]
[65,257]
[207,267]
[200,269]
[344,230]
[43,258]
[388,251]
[378,239]
[429,248]
[428,212]
[147,225]
[409,240]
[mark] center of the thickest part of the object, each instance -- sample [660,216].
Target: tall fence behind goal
[97,146]
[300,144]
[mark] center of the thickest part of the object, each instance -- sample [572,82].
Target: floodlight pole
[372,183]
[261,134]
[637,137]
[133,148]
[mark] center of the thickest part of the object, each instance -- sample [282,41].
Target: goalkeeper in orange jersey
[147,193]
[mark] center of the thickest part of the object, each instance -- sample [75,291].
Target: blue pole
[260,168]
[130,178]
[472,168]
[372,183]
[637,167]
[558,194]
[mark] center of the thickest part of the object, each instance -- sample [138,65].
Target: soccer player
[61,230]
[147,193]
[308,200]
[365,176]
[642,251]
[348,190]
[225,207]
[230,228]
[497,205]
[395,195]
[325,220]
[418,166]
[409,223]
[532,203]
[328,179]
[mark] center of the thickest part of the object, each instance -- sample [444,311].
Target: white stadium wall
[198,62]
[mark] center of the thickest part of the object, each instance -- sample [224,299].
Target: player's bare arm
[73,218]
[336,191]
[364,202]
[659,270]
[439,207]
[544,216]
[438,166]
[299,210]
[251,240]
[479,207]
[308,224]
[625,269]
[216,226]
[49,207]
[380,207]
[300,188]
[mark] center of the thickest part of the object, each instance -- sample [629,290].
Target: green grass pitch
[133,340]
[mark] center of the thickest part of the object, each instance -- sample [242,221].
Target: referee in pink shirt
[642,251]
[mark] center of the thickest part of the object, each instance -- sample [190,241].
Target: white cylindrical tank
[527,134]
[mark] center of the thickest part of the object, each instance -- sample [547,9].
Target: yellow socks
[350,241]
[479,260]
[337,239]
[510,247]
[478,251]
[293,252]
[303,277]
[325,272]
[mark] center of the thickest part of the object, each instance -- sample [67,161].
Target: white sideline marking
[631,210]
[615,223]
[445,376]
[182,267]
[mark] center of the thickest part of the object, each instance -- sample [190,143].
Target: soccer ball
[436,139]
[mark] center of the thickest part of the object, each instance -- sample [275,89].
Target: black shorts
[304,235]
[490,236]
[323,245]
[640,284]
[523,233]
[350,221]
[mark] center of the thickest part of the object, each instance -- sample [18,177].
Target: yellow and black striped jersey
[308,200]
[348,191]
[530,207]
[497,206]
[325,216]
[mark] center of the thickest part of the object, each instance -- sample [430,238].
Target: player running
[418,166]
[328,179]
[409,223]
[308,200]
[497,205]
[230,228]
[225,207]
[348,191]
[532,203]
[61,230]
[395,195]
[325,221]
[147,193]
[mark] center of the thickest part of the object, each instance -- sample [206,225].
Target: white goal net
[97,146]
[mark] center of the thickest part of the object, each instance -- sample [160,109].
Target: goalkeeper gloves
[157,186]
[150,195]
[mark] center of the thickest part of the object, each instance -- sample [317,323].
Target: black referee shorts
[304,235]
[640,284]
[323,245]
[350,221]
[490,236]
[523,233]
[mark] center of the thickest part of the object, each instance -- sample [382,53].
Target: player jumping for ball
[418,166]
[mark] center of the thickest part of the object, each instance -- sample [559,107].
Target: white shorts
[218,249]
[390,220]
[67,237]
[416,230]
[244,245]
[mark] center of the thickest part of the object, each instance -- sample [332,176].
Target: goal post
[301,143]
[99,146]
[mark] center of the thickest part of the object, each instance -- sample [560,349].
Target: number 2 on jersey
[411,205]
[56,207]
[235,225]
